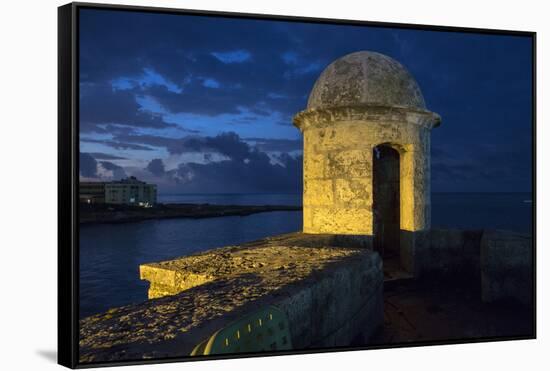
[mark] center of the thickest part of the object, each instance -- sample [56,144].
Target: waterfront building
[92,192]
[129,191]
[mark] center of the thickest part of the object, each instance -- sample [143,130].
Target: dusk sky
[205,104]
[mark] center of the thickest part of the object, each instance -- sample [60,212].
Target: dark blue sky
[204,104]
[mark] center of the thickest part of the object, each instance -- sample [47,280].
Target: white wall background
[28,101]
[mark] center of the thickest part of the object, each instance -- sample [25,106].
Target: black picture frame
[68,165]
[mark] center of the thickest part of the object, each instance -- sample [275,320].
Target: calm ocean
[110,254]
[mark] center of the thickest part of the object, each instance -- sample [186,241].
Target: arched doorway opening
[386,202]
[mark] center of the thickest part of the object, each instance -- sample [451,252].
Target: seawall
[330,296]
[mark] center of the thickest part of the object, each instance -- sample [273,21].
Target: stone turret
[362,103]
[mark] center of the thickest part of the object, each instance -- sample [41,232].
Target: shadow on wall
[500,261]
[386,201]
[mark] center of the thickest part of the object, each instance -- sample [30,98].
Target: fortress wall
[332,296]
[501,261]
[507,267]
[448,252]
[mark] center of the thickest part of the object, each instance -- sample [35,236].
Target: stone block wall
[338,167]
[332,296]
[501,262]
[506,267]
[442,251]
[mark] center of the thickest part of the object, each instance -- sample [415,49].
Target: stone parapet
[332,296]
[507,267]
[500,261]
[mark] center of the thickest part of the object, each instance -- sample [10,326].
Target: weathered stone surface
[358,116]
[448,252]
[318,192]
[506,267]
[501,261]
[340,220]
[359,102]
[353,163]
[274,259]
[330,295]
[353,192]
[365,77]
[345,174]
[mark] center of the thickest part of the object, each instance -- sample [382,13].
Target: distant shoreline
[102,213]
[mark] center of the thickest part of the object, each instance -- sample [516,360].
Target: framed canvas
[236,185]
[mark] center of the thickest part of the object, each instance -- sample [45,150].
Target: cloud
[116,144]
[108,170]
[214,97]
[187,74]
[239,167]
[267,69]
[105,156]
[101,104]
[103,170]
[88,165]
[246,170]
[235,56]
[276,145]
[156,167]
[149,78]
[228,144]
[210,83]
[257,175]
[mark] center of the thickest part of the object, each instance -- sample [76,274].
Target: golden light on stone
[360,101]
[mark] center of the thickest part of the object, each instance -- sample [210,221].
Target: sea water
[110,254]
